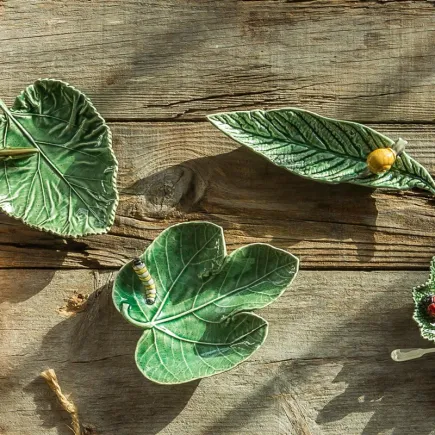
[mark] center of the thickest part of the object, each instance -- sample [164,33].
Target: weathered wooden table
[154,69]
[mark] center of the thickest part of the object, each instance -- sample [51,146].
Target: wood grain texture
[188,171]
[324,368]
[174,60]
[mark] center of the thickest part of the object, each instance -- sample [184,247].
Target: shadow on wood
[98,368]
[245,193]
[158,56]
[397,396]
[17,285]
[24,247]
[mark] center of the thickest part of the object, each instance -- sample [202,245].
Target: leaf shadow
[379,386]
[18,286]
[394,86]
[242,191]
[23,249]
[93,356]
[157,51]
[384,389]
[381,390]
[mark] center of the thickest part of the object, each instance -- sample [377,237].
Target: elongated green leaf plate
[319,148]
[421,294]
[68,186]
[201,323]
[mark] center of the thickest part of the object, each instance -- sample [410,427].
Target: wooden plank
[181,59]
[173,172]
[324,368]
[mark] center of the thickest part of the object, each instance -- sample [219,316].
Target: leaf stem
[3,107]
[126,314]
[24,132]
[14,153]
[17,152]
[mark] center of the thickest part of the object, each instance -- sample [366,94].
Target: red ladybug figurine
[429,302]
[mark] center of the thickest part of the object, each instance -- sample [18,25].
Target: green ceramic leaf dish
[57,167]
[323,149]
[424,303]
[201,323]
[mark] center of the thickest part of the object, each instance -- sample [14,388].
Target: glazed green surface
[68,187]
[426,324]
[320,148]
[200,324]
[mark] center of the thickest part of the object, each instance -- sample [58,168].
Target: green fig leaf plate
[57,167]
[423,296]
[320,148]
[201,323]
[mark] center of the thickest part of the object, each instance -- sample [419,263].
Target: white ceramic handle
[400,355]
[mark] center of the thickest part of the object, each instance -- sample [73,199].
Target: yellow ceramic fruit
[381,160]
